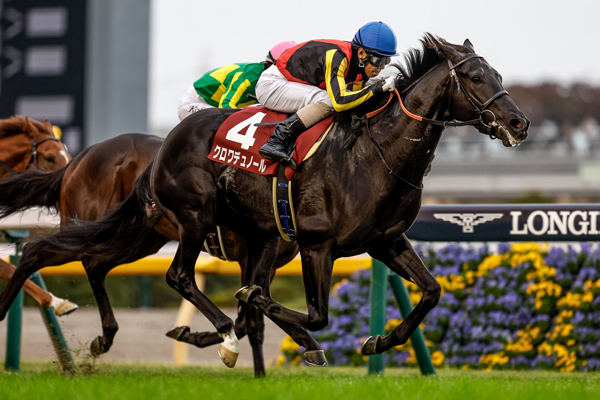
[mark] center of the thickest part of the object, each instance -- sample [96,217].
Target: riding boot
[280,144]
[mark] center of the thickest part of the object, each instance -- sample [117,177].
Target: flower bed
[529,306]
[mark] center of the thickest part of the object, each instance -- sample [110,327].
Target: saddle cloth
[237,141]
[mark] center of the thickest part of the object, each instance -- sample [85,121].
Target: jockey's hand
[389,84]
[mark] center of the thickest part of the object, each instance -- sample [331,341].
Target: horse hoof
[369,347]
[97,348]
[65,308]
[228,357]
[247,292]
[176,333]
[315,357]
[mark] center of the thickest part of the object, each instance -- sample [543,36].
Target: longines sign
[508,222]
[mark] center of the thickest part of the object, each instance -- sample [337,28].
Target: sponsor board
[507,222]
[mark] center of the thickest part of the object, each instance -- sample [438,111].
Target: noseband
[33,159]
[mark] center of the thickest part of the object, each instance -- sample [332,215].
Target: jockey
[229,86]
[314,78]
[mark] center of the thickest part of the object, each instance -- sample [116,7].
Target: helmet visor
[378,61]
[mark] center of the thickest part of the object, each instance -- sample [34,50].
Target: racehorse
[25,144]
[348,201]
[28,143]
[96,180]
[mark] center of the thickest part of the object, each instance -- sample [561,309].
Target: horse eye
[50,159]
[476,79]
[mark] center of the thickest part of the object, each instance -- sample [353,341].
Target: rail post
[378,289]
[58,340]
[14,320]
[417,338]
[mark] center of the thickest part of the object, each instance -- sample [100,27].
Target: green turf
[134,381]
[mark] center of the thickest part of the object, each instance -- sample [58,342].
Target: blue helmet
[377,38]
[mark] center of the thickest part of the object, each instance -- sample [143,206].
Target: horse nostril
[518,124]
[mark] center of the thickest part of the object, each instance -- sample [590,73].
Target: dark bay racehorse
[26,144]
[96,180]
[347,201]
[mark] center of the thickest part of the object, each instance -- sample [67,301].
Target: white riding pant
[276,93]
[191,103]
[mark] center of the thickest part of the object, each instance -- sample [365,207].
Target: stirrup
[289,162]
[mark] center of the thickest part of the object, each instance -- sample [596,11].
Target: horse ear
[28,128]
[48,127]
[469,45]
[448,52]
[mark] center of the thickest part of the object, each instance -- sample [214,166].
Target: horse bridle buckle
[492,126]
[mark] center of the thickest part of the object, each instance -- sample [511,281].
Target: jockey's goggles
[378,61]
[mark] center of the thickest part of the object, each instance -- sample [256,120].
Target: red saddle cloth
[237,141]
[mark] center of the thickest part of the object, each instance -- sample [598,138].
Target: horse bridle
[34,153]
[480,108]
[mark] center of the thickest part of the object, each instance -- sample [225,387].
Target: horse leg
[96,273]
[256,336]
[317,267]
[205,339]
[256,333]
[404,260]
[44,298]
[181,277]
[35,257]
[281,316]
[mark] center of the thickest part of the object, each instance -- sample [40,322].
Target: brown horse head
[27,143]
[478,87]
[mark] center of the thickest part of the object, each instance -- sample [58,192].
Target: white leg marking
[230,341]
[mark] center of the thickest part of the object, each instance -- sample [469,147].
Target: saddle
[242,134]
[237,143]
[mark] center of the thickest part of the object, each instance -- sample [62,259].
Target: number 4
[246,140]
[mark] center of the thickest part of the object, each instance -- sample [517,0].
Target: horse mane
[419,62]
[15,125]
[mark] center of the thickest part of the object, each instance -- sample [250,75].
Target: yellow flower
[437,358]
[470,277]
[465,367]
[567,330]
[296,360]
[280,360]
[392,324]
[490,262]
[588,297]
[412,359]
[288,344]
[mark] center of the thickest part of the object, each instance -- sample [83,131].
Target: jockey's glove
[389,84]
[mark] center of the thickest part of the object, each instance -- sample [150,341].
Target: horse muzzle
[508,139]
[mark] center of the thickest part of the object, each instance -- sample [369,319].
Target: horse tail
[30,188]
[118,235]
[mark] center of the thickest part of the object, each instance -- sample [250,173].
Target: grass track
[136,381]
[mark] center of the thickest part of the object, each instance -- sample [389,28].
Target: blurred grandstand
[558,162]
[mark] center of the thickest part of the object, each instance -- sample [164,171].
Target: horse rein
[33,159]
[480,108]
